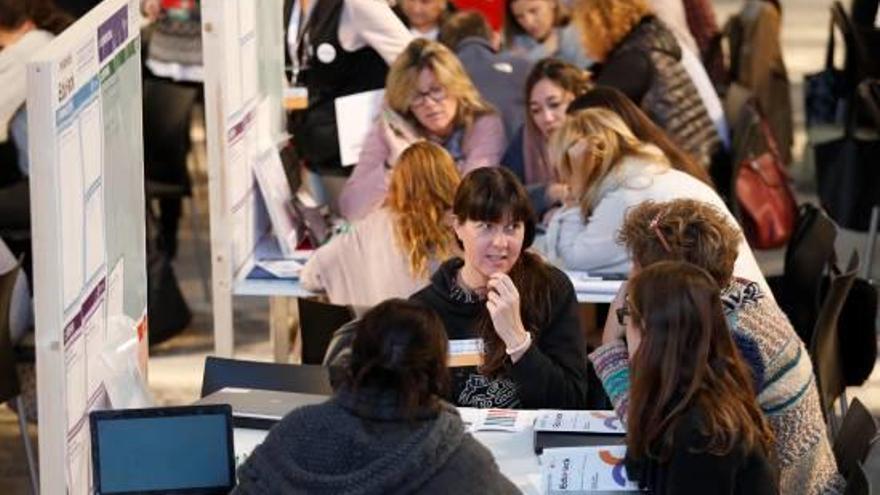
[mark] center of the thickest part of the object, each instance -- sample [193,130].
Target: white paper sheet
[91,129]
[584,282]
[355,116]
[96,247]
[115,289]
[510,420]
[281,268]
[79,461]
[579,421]
[247,36]
[232,61]
[277,198]
[75,373]
[72,214]
[584,469]
[95,328]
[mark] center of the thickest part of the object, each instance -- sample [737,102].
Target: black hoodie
[551,374]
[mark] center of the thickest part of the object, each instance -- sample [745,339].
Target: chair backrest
[807,256]
[223,372]
[871,466]
[9,384]
[318,320]
[825,344]
[853,441]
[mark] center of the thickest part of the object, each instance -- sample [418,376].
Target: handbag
[767,206]
[824,91]
[847,172]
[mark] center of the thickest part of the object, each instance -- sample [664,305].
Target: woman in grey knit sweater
[386,430]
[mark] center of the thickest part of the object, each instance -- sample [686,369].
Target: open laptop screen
[168,450]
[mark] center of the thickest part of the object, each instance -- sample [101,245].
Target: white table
[283,311]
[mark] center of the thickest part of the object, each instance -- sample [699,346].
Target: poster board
[87,202]
[243,42]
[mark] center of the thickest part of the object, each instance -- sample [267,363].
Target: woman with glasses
[516,313]
[609,170]
[693,424]
[780,368]
[428,95]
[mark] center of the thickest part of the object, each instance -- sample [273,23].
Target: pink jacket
[365,190]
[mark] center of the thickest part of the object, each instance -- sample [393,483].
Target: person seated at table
[393,250]
[423,18]
[428,95]
[387,430]
[550,87]
[608,170]
[693,424]
[641,57]
[542,28]
[521,309]
[782,373]
[641,126]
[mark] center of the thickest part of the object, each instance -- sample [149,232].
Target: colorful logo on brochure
[610,420]
[616,463]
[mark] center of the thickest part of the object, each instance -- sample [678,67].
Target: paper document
[355,116]
[579,421]
[495,419]
[281,268]
[585,469]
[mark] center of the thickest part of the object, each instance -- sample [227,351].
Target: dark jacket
[359,443]
[551,374]
[646,66]
[500,77]
[739,472]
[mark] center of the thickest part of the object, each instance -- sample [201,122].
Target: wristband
[521,346]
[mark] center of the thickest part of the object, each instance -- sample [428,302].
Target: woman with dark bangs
[522,310]
[694,425]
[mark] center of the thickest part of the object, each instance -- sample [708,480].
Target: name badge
[465,352]
[296,98]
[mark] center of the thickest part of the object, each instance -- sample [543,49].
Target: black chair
[799,289]
[825,344]
[223,372]
[853,441]
[317,321]
[10,388]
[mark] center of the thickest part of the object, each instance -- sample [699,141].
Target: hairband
[655,226]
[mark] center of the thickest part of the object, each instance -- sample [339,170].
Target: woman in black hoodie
[522,310]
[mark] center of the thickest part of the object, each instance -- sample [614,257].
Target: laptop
[169,450]
[260,409]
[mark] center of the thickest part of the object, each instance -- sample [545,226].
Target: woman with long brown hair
[520,310]
[392,251]
[694,425]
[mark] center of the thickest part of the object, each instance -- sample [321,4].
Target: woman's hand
[503,305]
[613,329]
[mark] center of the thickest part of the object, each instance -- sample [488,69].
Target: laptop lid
[255,408]
[170,450]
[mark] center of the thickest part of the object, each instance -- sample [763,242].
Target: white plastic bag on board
[126,386]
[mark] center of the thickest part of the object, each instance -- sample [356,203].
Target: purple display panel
[112,33]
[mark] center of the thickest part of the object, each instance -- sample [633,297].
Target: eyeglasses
[623,312]
[437,94]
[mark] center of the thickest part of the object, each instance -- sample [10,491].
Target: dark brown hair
[687,359]
[464,24]
[43,13]
[402,346]
[642,126]
[494,194]
[695,232]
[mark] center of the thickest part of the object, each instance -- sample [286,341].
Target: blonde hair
[400,86]
[608,141]
[604,23]
[511,27]
[423,184]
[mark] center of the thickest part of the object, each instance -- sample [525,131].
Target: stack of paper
[584,469]
[554,420]
[584,282]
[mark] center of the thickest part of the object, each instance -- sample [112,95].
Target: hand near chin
[503,305]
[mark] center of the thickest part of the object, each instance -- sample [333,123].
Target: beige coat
[364,266]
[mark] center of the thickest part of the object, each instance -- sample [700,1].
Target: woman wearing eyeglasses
[428,95]
[609,170]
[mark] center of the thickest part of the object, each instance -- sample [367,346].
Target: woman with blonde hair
[428,95]
[392,251]
[642,58]
[608,170]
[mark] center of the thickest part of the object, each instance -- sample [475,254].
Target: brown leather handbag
[768,210]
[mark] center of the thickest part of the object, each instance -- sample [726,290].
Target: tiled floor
[176,366]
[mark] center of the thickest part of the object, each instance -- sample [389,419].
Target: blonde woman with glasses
[393,250]
[608,170]
[428,96]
